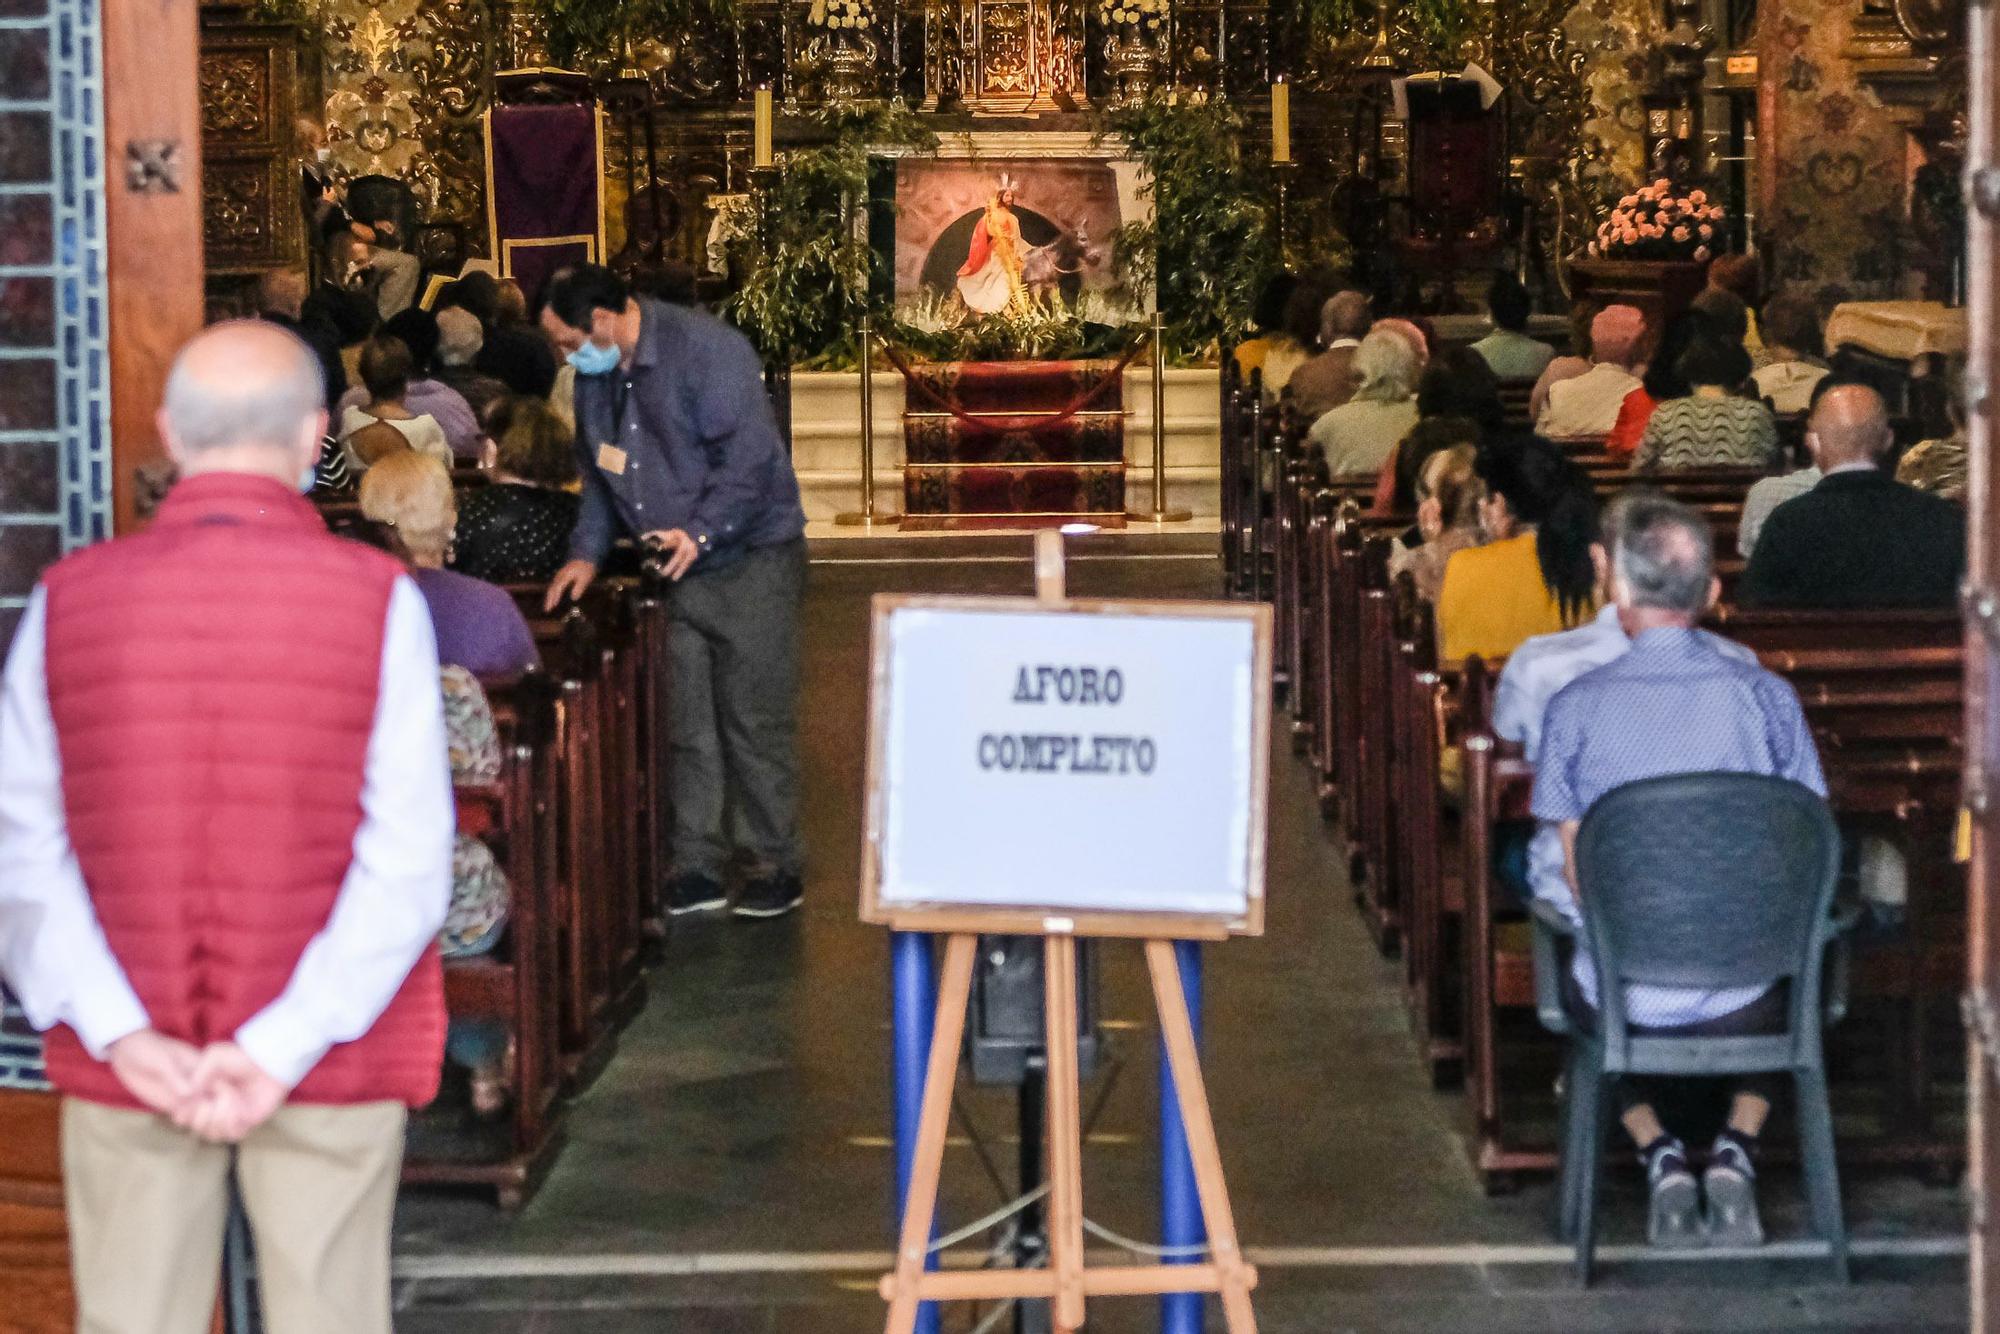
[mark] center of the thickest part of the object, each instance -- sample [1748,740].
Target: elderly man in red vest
[225,853]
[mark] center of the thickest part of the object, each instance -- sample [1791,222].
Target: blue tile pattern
[20,1049]
[65,176]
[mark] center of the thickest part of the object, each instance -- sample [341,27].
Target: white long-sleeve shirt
[53,952]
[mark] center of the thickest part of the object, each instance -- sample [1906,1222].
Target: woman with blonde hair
[1359,434]
[1448,496]
[408,497]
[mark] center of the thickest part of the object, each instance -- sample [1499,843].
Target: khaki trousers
[147,1204]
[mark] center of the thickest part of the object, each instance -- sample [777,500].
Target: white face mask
[323,154]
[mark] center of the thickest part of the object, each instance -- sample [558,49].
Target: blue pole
[914,1011]
[1180,1202]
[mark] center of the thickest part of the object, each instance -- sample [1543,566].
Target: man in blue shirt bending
[1675,702]
[678,447]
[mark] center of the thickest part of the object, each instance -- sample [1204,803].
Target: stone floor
[729,1171]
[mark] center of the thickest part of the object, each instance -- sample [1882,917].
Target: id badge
[611,459]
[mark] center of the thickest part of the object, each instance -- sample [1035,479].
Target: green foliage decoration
[593,32]
[1211,242]
[936,328]
[808,263]
[1437,28]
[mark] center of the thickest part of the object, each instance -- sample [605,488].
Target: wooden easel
[1065,1282]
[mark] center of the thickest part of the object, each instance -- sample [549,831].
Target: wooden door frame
[1982,714]
[153,237]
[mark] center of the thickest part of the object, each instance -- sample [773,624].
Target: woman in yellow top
[1269,317]
[1534,574]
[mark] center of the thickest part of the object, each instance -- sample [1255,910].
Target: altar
[1004,57]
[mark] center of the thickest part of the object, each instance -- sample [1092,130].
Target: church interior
[1385,331]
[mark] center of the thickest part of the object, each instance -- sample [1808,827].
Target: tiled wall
[55,481]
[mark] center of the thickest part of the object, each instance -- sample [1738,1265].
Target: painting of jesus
[991,279]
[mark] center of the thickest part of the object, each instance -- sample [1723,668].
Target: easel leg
[1180,1199]
[1185,1061]
[1065,1213]
[954,994]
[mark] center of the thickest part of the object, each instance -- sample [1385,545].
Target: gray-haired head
[459,336]
[1664,556]
[242,384]
[1345,314]
[1387,366]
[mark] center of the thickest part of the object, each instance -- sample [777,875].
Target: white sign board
[1068,762]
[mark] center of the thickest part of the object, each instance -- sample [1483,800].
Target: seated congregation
[451,446]
[1628,679]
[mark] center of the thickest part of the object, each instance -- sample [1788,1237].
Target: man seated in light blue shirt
[1674,702]
[1544,665]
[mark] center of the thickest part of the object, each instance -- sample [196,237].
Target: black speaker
[1007,1025]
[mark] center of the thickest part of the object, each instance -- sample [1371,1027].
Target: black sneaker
[692,893]
[1673,1208]
[771,895]
[1730,1187]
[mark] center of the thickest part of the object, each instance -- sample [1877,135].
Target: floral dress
[479,889]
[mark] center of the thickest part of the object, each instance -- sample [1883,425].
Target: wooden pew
[1514,398]
[1887,725]
[1421,704]
[518,984]
[599,988]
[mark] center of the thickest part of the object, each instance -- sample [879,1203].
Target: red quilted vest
[213,682]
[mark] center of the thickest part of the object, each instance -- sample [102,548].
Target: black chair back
[373,199]
[1712,880]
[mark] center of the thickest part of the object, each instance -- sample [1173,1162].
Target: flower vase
[846,60]
[1134,64]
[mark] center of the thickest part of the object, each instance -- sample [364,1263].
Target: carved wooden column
[152,125]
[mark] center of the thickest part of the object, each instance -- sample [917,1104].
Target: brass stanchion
[1160,512]
[866,517]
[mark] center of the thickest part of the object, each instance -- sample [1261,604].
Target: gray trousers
[399,275]
[734,647]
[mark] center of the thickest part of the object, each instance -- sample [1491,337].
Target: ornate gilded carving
[1021,55]
[236,211]
[520,39]
[406,83]
[235,93]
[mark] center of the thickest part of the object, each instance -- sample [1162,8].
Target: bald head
[1850,424]
[244,396]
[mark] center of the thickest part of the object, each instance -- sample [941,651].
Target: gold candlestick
[1281,120]
[761,142]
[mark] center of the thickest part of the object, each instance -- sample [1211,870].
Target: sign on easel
[1101,762]
[1062,768]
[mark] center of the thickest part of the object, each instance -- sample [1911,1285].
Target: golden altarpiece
[404,84]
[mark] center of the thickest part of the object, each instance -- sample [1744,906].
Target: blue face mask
[591,359]
[308,480]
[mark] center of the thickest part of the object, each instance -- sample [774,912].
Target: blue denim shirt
[695,448]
